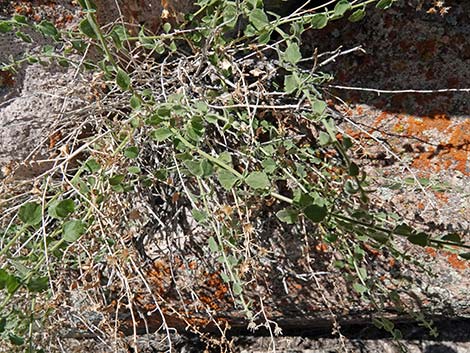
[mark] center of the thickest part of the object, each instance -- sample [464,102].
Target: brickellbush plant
[223,114]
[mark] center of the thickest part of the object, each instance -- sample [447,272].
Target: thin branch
[385,91]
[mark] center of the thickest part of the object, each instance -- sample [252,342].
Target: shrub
[211,134]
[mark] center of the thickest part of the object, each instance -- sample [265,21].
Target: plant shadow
[405,49]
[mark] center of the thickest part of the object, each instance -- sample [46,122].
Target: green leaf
[116,179]
[347,143]
[199,216]
[73,230]
[301,199]
[380,237]
[38,284]
[288,215]
[264,37]
[135,102]
[24,37]
[84,3]
[377,323]
[30,213]
[384,4]
[167,27]
[194,167]
[92,166]
[207,168]
[134,170]
[453,237]
[20,19]
[319,21]
[357,15]
[224,277]
[87,29]
[3,323]
[230,14]
[226,179]
[341,7]
[465,255]
[292,53]
[48,29]
[258,19]
[403,229]
[269,165]
[213,246]
[5,26]
[123,80]
[258,180]
[161,134]
[131,152]
[387,324]
[359,288]
[291,83]
[16,340]
[421,239]
[225,157]
[12,284]
[61,209]
[164,111]
[353,169]
[350,187]
[316,213]
[324,138]
[319,106]
[237,288]
[3,278]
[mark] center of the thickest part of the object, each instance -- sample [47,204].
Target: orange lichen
[416,126]
[455,262]
[380,118]
[423,161]
[441,196]
[431,251]
[453,152]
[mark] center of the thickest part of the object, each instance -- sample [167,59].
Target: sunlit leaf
[87,29]
[131,152]
[292,53]
[359,288]
[258,19]
[226,179]
[73,230]
[258,180]
[123,80]
[319,21]
[161,134]
[30,213]
[357,15]
[384,4]
[61,209]
[288,215]
[341,7]
[213,246]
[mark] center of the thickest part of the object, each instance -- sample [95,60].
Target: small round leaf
[30,213]
[72,230]
[316,213]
